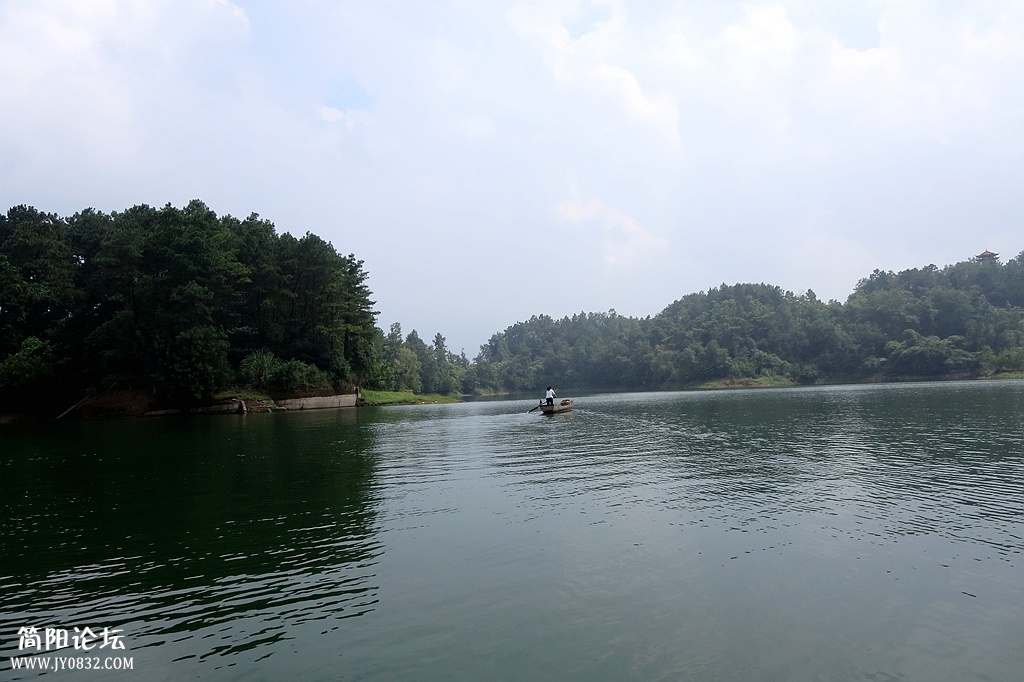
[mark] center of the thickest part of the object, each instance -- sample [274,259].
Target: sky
[491,161]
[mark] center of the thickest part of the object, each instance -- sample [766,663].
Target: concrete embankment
[236,406]
[320,403]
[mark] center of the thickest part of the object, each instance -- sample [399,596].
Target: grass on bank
[755,382]
[1006,375]
[370,398]
[379,398]
[242,393]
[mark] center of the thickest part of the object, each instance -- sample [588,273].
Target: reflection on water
[829,533]
[204,537]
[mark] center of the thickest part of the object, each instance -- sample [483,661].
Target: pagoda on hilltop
[987,256]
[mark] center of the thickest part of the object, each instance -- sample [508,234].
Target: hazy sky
[494,160]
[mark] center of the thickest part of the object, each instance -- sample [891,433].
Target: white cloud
[86,81]
[624,241]
[346,119]
[460,124]
[592,65]
[763,44]
[931,76]
[1002,41]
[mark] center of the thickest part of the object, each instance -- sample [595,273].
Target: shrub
[32,364]
[264,370]
[261,369]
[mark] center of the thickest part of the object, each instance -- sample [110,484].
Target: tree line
[410,364]
[177,302]
[962,320]
[183,303]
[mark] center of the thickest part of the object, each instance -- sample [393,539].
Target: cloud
[346,119]
[90,86]
[765,42]
[784,71]
[591,65]
[1003,40]
[623,240]
[447,127]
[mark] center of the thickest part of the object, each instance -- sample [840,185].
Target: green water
[854,533]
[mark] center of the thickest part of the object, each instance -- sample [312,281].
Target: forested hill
[962,320]
[181,304]
[175,302]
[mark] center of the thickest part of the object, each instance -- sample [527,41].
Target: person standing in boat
[550,395]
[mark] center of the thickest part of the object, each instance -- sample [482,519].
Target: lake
[833,533]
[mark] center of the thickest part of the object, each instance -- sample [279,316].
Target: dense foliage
[409,364]
[959,321]
[182,303]
[179,302]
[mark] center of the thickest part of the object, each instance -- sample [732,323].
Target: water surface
[850,533]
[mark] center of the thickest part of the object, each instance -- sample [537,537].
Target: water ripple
[652,526]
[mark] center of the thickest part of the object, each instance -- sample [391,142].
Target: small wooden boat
[562,406]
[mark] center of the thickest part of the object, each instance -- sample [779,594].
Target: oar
[535,408]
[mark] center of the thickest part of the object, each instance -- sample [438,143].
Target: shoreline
[137,404]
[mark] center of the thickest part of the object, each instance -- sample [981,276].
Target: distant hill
[963,320]
[182,304]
